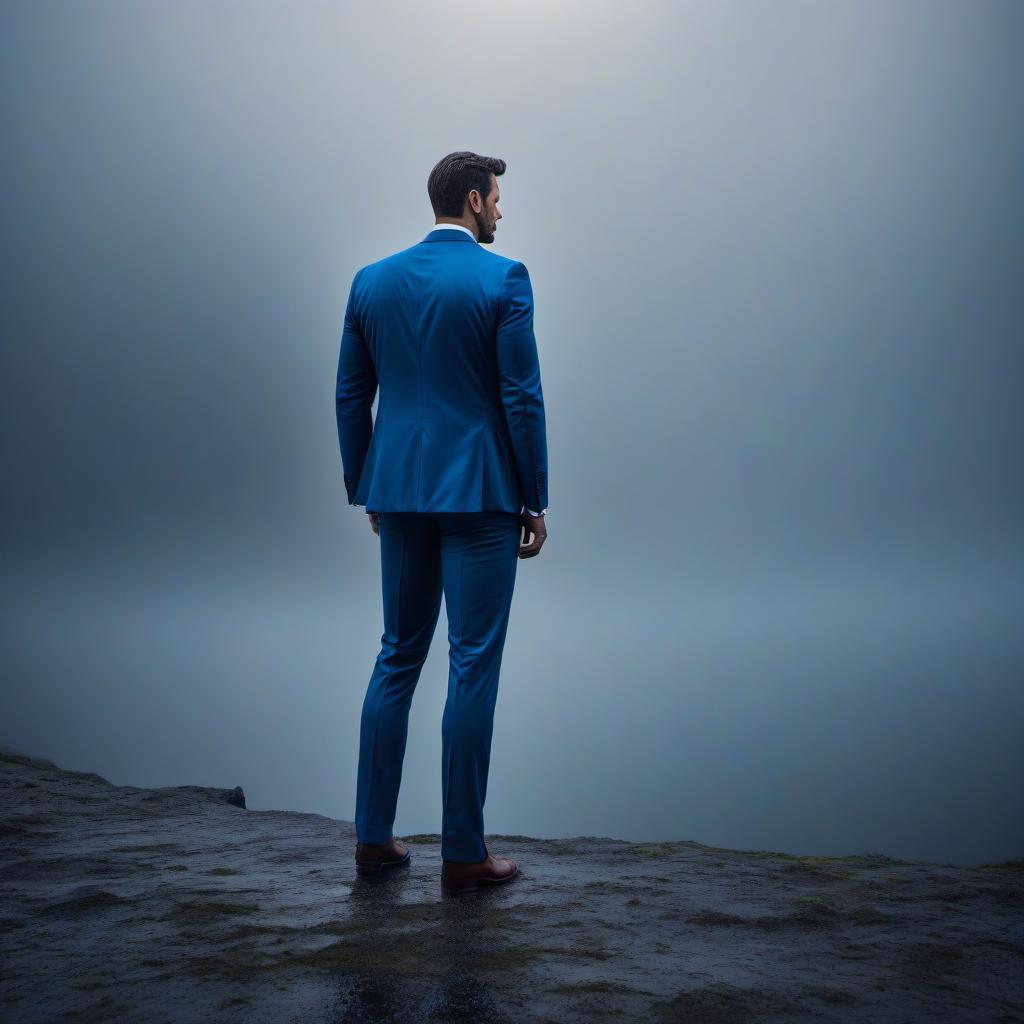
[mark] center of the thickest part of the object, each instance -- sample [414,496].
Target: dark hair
[455,174]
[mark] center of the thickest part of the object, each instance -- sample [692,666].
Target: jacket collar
[443,233]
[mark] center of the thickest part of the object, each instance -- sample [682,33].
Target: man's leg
[410,560]
[479,553]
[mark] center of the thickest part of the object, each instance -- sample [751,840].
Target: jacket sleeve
[354,394]
[520,384]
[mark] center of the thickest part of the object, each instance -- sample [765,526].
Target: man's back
[445,329]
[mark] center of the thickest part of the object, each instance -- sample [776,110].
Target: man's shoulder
[493,263]
[390,260]
[501,261]
[498,267]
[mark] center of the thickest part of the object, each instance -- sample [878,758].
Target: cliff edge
[178,904]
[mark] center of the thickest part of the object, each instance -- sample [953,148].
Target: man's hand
[536,532]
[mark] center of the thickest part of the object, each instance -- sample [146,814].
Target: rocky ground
[178,904]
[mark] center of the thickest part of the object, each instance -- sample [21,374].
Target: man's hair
[455,174]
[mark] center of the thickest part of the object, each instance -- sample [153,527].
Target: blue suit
[446,329]
[458,448]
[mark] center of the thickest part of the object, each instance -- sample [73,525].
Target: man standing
[452,472]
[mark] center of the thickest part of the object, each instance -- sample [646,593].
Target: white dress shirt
[462,227]
[458,227]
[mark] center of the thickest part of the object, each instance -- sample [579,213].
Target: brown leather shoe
[373,858]
[459,878]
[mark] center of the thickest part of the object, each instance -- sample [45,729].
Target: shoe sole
[377,869]
[473,886]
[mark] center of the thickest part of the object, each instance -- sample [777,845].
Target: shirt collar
[457,227]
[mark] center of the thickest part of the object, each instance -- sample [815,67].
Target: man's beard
[483,229]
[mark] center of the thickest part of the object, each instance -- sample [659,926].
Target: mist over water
[776,257]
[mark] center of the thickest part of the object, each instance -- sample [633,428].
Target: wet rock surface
[178,904]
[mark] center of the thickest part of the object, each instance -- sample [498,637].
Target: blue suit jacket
[445,328]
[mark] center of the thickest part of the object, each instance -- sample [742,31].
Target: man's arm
[356,387]
[521,392]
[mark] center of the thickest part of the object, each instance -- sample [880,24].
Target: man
[453,473]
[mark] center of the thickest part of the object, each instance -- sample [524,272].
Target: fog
[776,254]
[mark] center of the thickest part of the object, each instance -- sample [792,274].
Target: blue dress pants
[471,557]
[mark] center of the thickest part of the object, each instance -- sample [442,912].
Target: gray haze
[776,253]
